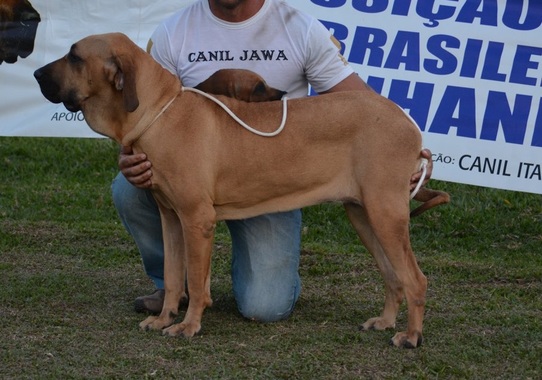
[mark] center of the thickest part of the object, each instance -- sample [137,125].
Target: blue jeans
[265,249]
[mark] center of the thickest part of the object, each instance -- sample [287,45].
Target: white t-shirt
[286,47]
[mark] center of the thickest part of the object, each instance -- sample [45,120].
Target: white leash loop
[153,120]
[241,122]
[423,168]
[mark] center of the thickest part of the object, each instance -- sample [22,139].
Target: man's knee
[270,304]
[129,199]
[264,313]
[119,190]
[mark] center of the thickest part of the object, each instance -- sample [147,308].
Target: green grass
[69,274]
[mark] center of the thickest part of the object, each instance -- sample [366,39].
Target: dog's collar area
[154,120]
[241,122]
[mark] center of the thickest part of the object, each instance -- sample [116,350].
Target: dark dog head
[18,25]
[240,84]
[97,70]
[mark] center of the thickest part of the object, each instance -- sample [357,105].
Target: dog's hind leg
[385,228]
[394,291]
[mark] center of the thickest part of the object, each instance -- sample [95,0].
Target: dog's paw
[402,339]
[377,323]
[145,324]
[188,330]
[155,323]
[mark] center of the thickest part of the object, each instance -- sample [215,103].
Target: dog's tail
[430,199]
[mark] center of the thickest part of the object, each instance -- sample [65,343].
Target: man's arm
[351,83]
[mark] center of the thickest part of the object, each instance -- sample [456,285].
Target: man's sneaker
[150,304]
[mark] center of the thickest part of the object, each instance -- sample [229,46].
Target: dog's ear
[121,72]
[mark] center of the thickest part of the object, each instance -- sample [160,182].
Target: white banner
[23,110]
[468,71]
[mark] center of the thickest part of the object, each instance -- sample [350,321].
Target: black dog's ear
[120,71]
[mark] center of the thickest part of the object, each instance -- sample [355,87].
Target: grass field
[69,274]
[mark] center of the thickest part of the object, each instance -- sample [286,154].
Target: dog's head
[240,84]
[261,92]
[18,25]
[97,70]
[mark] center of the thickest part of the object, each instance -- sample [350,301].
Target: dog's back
[326,152]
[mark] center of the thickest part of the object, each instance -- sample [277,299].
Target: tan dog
[356,148]
[240,84]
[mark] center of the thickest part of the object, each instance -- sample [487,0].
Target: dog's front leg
[174,272]
[198,237]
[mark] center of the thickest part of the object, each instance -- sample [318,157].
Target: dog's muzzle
[49,88]
[52,91]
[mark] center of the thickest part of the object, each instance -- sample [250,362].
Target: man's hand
[425,153]
[135,167]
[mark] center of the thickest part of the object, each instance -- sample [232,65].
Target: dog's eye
[73,58]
